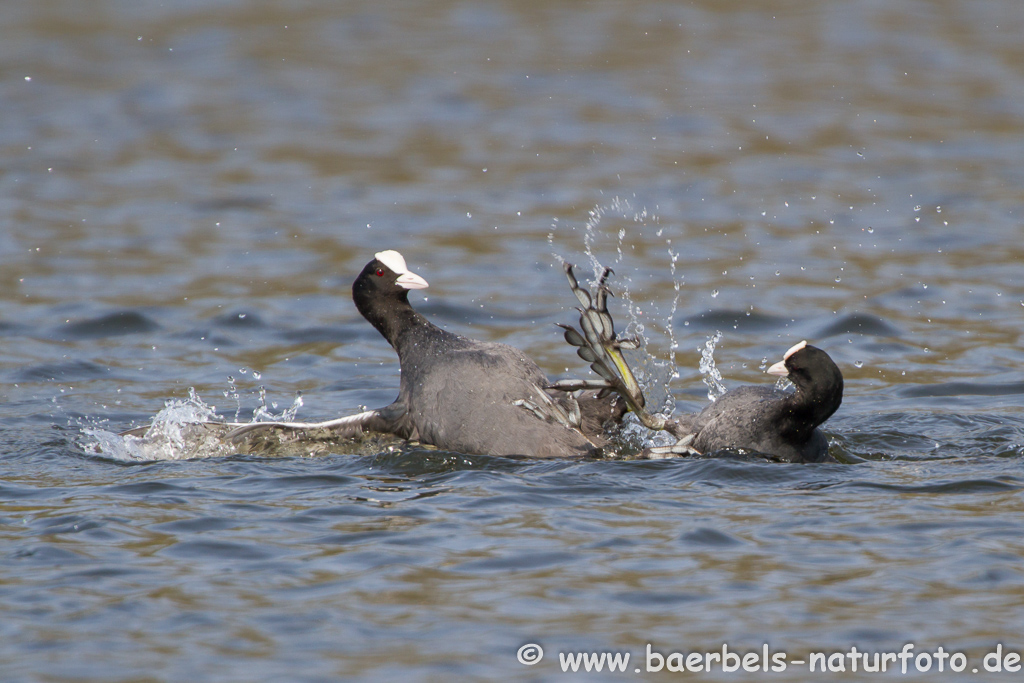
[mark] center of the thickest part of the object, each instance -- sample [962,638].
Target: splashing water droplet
[858,363]
[709,373]
[171,436]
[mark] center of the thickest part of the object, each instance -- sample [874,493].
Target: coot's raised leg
[599,346]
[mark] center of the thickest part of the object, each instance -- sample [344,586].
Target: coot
[462,394]
[768,420]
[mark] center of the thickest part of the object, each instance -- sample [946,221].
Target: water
[188,189]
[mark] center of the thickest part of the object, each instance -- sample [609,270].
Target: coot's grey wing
[135,431]
[380,420]
[599,346]
[745,417]
[486,397]
[737,419]
[385,420]
[196,427]
[351,425]
[345,426]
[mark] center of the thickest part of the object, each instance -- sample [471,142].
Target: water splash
[709,372]
[177,433]
[784,384]
[635,437]
[183,429]
[262,413]
[233,393]
[265,414]
[673,345]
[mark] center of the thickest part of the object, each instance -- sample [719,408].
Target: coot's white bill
[396,262]
[780,368]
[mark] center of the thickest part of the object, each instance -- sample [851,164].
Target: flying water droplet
[709,373]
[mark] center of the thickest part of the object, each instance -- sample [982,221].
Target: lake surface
[188,189]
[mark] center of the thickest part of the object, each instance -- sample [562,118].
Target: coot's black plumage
[771,421]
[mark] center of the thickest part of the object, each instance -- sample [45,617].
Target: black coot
[461,394]
[768,420]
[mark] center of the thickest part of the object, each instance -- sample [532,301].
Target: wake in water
[190,428]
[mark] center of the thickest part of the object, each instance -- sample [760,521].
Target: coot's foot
[565,412]
[599,346]
[679,448]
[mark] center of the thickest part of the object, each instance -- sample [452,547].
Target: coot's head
[386,277]
[819,383]
[383,287]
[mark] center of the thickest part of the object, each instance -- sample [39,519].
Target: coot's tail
[599,346]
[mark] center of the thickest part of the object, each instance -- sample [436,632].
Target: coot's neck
[810,406]
[396,320]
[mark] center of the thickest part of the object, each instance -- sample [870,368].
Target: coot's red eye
[380,272]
